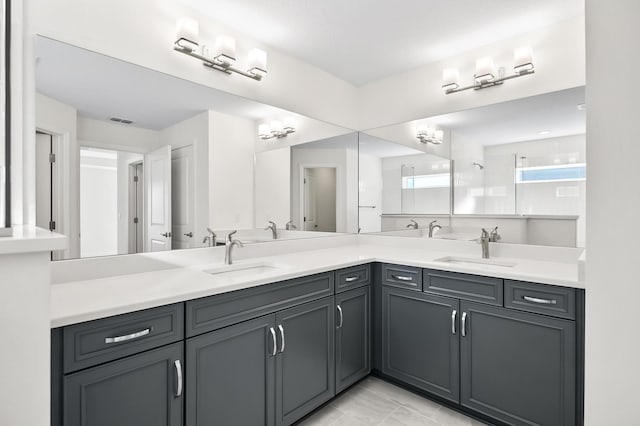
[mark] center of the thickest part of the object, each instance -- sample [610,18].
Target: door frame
[339,176]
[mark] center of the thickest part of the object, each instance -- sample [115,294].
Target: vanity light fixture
[427,134]
[486,74]
[276,129]
[223,55]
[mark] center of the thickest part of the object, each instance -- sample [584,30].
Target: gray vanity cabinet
[420,340]
[305,365]
[140,390]
[353,351]
[231,374]
[518,367]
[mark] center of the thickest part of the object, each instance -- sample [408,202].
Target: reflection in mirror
[5,221]
[132,160]
[517,165]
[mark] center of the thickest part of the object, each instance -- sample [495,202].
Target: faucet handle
[230,236]
[494,236]
[484,234]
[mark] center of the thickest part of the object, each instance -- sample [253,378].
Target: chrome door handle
[275,342]
[189,234]
[341,317]
[402,277]
[541,301]
[126,337]
[453,321]
[166,235]
[464,324]
[178,367]
[282,336]
[351,279]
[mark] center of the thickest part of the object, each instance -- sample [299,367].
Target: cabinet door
[353,352]
[230,375]
[420,341]
[140,390]
[518,367]
[305,372]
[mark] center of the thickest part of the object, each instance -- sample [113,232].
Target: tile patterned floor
[376,402]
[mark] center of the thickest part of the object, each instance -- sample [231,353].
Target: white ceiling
[363,40]
[381,148]
[102,87]
[520,120]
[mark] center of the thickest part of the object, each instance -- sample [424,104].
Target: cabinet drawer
[540,298]
[95,342]
[402,276]
[353,277]
[464,286]
[212,313]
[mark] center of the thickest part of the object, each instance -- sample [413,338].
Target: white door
[182,198]
[309,201]
[157,173]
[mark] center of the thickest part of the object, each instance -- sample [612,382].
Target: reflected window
[440,180]
[555,173]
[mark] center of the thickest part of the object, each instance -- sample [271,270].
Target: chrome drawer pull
[351,279]
[453,321]
[275,342]
[464,324]
[281,335]
[402,277]
[541,301]
[341,317]
[126,337]
[178,367]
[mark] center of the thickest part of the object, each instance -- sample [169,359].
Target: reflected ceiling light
[276,129]
[426,134]
[544,132]
[581,107]
[223,55]
[486,74]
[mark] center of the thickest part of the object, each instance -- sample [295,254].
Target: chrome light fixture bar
[427,134]
[276,129]
[223,56]
[486,74]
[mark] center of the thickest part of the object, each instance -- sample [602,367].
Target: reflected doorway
[319,186]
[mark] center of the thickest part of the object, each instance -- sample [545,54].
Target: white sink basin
[471,261]
[242,270]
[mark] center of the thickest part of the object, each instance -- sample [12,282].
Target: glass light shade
[187,33]
[258,62]
[485,70]
[422,130]
[264,130]
[450,79]
[439,136]
[289,124]
[522,59]
[225,50]
[276,126]
[431,132]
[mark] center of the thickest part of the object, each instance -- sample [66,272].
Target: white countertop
[158,279]
[29,239]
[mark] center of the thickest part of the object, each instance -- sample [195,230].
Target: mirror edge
[5,228]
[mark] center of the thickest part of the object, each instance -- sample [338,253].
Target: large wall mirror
[5,128]
[132,160]
[519,166]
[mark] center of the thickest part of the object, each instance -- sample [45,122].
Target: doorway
[319,187]
[47,200]
[136,207]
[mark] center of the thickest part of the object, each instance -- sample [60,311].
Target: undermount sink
[241,270]
[470,261]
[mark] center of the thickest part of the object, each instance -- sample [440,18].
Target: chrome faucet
[494,237]
[290,226]
[433,227]
[485,238]
[413,224]
[228,248]
[211,238]
[274,229]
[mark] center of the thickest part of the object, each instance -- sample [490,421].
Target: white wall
[469,180]
[559,61]
[120,137]
[370,187]
[272,187]
[54,117]
[231,152]
[194,131]
[613,209]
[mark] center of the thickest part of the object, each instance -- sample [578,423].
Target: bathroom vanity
[279,336]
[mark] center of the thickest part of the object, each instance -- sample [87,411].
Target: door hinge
[135,178]
[52,158]
[135,220]
[305,180]
[305,218]
[52,225]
